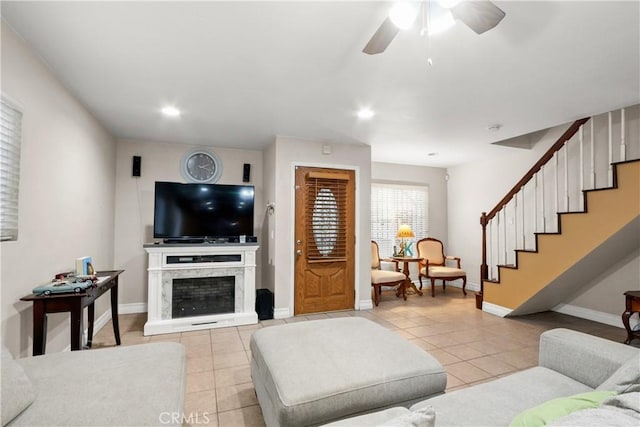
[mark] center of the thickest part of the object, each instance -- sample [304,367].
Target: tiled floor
[473,346]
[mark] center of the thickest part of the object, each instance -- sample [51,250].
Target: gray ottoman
[315,372]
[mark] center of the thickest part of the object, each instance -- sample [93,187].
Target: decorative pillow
[552,410]
[17,391]
[425,417]
[626,379]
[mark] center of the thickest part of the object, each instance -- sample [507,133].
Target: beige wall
[66,194]
[135,199]
[605,293]
[284,155]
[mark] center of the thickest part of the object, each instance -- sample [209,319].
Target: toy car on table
[70,284]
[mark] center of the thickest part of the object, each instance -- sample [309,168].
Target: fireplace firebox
[199,296]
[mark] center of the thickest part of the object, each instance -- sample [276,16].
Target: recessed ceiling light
[366,113]
[432,154]
[170,111]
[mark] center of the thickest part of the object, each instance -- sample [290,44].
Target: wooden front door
[324,244]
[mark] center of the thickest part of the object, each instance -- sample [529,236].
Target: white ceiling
[243,72]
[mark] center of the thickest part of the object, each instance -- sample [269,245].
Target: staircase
[559,226]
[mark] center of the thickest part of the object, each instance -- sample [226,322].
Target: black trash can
[264,304]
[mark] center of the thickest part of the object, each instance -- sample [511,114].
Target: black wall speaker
[136,170]
[246,173]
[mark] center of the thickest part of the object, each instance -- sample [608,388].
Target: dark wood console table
[632,306]
[74,304]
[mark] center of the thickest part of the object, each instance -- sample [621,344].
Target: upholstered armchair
[380,278]
[434,267]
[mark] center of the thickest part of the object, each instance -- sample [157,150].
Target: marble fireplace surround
[160,285]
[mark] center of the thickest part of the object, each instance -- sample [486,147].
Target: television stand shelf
[200,286]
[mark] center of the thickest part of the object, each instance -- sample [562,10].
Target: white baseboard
[365,304]
[596,316]
[137,307]
[281,313]
[495,309]
[473,287]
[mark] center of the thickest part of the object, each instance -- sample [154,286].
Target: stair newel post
[483,266]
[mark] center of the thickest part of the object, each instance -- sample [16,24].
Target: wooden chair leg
[420,279]
[464,285]
[444,285]
[375,295]
[433,287]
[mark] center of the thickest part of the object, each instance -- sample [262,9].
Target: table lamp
[404,232]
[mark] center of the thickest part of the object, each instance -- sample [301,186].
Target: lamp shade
[405,231]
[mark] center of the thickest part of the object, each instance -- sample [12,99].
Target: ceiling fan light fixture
[448,4]
[404,13]
[441,21]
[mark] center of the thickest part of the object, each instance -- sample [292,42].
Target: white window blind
[395,204]
[10,138]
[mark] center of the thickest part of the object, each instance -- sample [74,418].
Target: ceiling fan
[479,15]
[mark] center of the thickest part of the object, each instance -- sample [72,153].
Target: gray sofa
[569,363]
[137,385]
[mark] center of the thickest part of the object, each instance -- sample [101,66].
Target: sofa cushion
[592,360]
[17,390]
[626,379]
[125,386]
[554,409]
[497,402]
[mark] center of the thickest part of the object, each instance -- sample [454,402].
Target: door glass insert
[326,207]
[325,221]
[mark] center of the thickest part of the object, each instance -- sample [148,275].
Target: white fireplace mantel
[173,261]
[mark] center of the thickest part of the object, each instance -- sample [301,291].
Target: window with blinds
[396,204]
[326,206]
[10,138]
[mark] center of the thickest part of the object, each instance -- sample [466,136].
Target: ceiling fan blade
[479,15]
[382,38]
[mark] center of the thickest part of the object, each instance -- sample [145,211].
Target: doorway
[324,247]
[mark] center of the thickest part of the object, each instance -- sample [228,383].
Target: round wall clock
[201,166]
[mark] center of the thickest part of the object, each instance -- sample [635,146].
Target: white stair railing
[571,171]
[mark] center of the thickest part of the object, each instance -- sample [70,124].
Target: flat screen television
[202,211]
